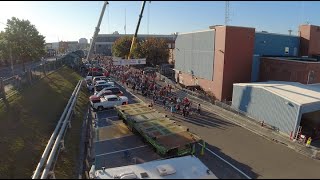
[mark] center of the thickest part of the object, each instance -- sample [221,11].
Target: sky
[72,20]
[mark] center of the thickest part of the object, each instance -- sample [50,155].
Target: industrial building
[214,59]
[104,42]
[303,70]
[269,63]
[283,105]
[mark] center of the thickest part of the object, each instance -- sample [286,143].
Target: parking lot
[115,145]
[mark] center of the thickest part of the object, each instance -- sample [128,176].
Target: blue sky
[72,20]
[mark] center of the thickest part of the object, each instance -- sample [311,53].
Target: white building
[83,41]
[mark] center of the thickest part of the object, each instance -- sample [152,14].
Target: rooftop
[187,167]
[294,59]
[293,91]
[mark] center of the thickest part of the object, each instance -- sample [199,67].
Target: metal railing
[57,136]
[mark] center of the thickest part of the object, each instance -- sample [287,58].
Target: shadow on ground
[220,168]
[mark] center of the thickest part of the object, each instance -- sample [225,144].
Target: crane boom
[137,29]
[97,29]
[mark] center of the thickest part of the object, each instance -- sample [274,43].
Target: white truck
[109,101]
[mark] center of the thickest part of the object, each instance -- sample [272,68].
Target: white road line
[130,92]
[200,145]
[227,162]
[121,150]
[115,138]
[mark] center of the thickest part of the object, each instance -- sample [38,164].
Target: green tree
[4,54]
[153,49]
[121,47]
[25,41]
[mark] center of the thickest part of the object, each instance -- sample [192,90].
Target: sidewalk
[244,122]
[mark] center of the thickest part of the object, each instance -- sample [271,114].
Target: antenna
[148,16]
[227,13]
[125,21]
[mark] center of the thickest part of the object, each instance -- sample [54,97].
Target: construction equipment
[97,30]
[137,28]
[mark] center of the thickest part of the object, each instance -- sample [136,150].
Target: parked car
[100,82]
[109,101]
[96,98]
[98,88]
[103,78]
[91,75]
[115,90]
[97,78]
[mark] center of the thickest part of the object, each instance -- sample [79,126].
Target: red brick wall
[309,40]
[234,48]
[283,70]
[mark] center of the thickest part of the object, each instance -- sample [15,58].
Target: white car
[97,78]
[109,101]
[101,82]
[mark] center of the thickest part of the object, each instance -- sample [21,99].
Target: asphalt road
[250,153]
[218,165]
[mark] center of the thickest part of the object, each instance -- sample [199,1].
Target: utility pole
[227,13]
[125,21]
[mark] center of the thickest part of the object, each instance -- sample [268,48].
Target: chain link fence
[10,86]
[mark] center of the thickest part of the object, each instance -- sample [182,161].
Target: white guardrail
[56,136]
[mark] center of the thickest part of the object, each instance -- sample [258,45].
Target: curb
[312,155]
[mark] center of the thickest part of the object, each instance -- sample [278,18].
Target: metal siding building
[279,104]
[269,44]
[255,68]
[195,53]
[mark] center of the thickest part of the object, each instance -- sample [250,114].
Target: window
[286,50]
[113,99]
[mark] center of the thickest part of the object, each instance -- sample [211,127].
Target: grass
[28,120]
[67,165]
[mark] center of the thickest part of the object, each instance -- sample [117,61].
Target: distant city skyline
[72,20]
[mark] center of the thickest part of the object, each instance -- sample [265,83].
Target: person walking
[199,109]
[172,109]
[184,111]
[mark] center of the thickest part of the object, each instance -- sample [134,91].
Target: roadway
[251,154]
[212,158]
[6,72]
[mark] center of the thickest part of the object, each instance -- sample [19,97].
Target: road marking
[130,92]
[121,150]
[227,162]
[116,137]
[104,110]
[201,146]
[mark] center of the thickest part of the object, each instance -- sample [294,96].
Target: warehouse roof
[293,91]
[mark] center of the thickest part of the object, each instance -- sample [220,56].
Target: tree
[121,47]
[4,51]
[25,41]
[153,49]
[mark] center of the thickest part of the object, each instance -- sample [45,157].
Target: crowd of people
[145,84]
